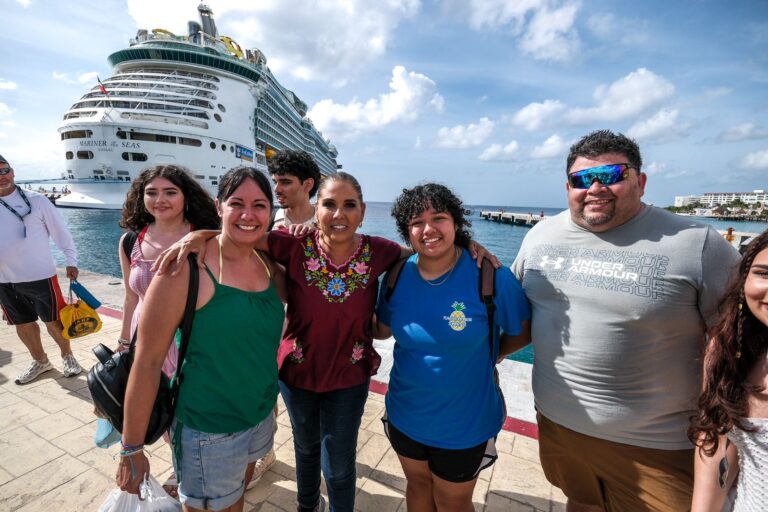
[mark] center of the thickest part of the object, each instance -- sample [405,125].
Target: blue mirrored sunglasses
[605,174]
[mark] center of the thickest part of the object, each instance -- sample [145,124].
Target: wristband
[124,342]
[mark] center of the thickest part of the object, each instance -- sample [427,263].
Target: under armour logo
[556,264]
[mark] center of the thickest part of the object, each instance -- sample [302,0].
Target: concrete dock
[519,219]
[48,461]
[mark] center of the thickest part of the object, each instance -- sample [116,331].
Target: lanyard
[17,214]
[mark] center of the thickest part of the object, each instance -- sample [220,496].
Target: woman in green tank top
[223,421]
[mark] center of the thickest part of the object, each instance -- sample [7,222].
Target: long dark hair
[199,208]
[236,176]
[738,343]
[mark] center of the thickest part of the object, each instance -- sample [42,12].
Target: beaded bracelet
[131,447]
[128,453]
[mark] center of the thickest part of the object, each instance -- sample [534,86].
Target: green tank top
[230,371]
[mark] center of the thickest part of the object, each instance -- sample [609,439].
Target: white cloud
[743,131]
[550,34]
[24,3]
[411,94]
[552,147]
[625,98]
[662,125]
[7,84]
[535,115]
[87,78]
[613,29]
[327,40]
[544,29]
[662,170]
[5,110]
[462,137]
[499,153]
[756,160]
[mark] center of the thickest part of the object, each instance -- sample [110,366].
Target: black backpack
[108,379]
[129,240]
[486,288]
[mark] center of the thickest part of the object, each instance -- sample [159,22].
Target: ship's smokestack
[206,19]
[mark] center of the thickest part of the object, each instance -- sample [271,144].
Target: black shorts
[452,465]
[23,303]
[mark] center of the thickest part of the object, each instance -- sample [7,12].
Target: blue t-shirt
[441,388]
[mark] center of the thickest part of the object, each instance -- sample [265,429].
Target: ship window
[97,172]
[190,142]
[84,155]
[231,149]
[123,173]
[217,117]
[221,107]
[213,145]
[166,138]
[223,147]
[70,155]
[121,134]
[77,134]
[199,177]
[135,157]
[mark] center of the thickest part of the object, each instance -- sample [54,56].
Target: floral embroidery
[297,355]
[358,352]
[337,284]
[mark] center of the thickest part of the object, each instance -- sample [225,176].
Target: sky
[484,96]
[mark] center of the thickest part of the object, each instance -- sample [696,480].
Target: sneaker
[262,466]
[71,366]
[34,370]
[320,507]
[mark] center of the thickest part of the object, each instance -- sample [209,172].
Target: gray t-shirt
[619,320]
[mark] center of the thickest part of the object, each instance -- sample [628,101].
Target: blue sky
[483,96]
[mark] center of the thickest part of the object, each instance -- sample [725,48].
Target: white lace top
[751,489]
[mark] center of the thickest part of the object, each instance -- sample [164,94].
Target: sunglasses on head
[605,174]
[5,170]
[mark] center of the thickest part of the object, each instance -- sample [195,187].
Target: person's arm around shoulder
[278,276]
[718,260]
[513,313]
[711,480]
[130,298]
[162,312]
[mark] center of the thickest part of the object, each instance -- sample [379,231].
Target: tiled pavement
[48,461]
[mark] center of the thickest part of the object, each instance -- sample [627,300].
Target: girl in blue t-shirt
[444,408]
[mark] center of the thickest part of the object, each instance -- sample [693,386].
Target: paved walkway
[48,461]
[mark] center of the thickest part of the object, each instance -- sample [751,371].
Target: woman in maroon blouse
[326,356]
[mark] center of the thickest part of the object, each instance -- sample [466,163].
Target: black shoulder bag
[108,379]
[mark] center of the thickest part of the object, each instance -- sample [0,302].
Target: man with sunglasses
[622,293]
[28,286]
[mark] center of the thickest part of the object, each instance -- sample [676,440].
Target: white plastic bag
[155,499]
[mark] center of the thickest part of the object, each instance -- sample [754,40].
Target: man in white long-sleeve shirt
[29,288]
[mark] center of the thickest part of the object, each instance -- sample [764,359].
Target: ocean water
[96,234]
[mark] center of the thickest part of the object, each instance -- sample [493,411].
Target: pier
[518,219]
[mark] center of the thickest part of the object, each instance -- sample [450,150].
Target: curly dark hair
[236,176]
[601,142]
[738,342]
[296,163]
[415,201]
[199,209]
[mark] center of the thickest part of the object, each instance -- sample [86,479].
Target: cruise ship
[197,100]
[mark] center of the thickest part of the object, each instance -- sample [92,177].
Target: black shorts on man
[24,302]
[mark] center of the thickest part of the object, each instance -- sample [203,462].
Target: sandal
[171,486]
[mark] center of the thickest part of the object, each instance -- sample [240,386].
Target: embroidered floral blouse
[327,342]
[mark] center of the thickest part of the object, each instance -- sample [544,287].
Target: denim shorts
[213,465]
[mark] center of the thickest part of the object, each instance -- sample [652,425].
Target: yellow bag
[79,319]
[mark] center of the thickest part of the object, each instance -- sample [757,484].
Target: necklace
[444,278]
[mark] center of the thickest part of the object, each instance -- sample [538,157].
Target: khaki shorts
[615,476]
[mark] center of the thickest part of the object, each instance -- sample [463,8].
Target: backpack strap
[129,240]
[393,274]
[487,293]
[186,326]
